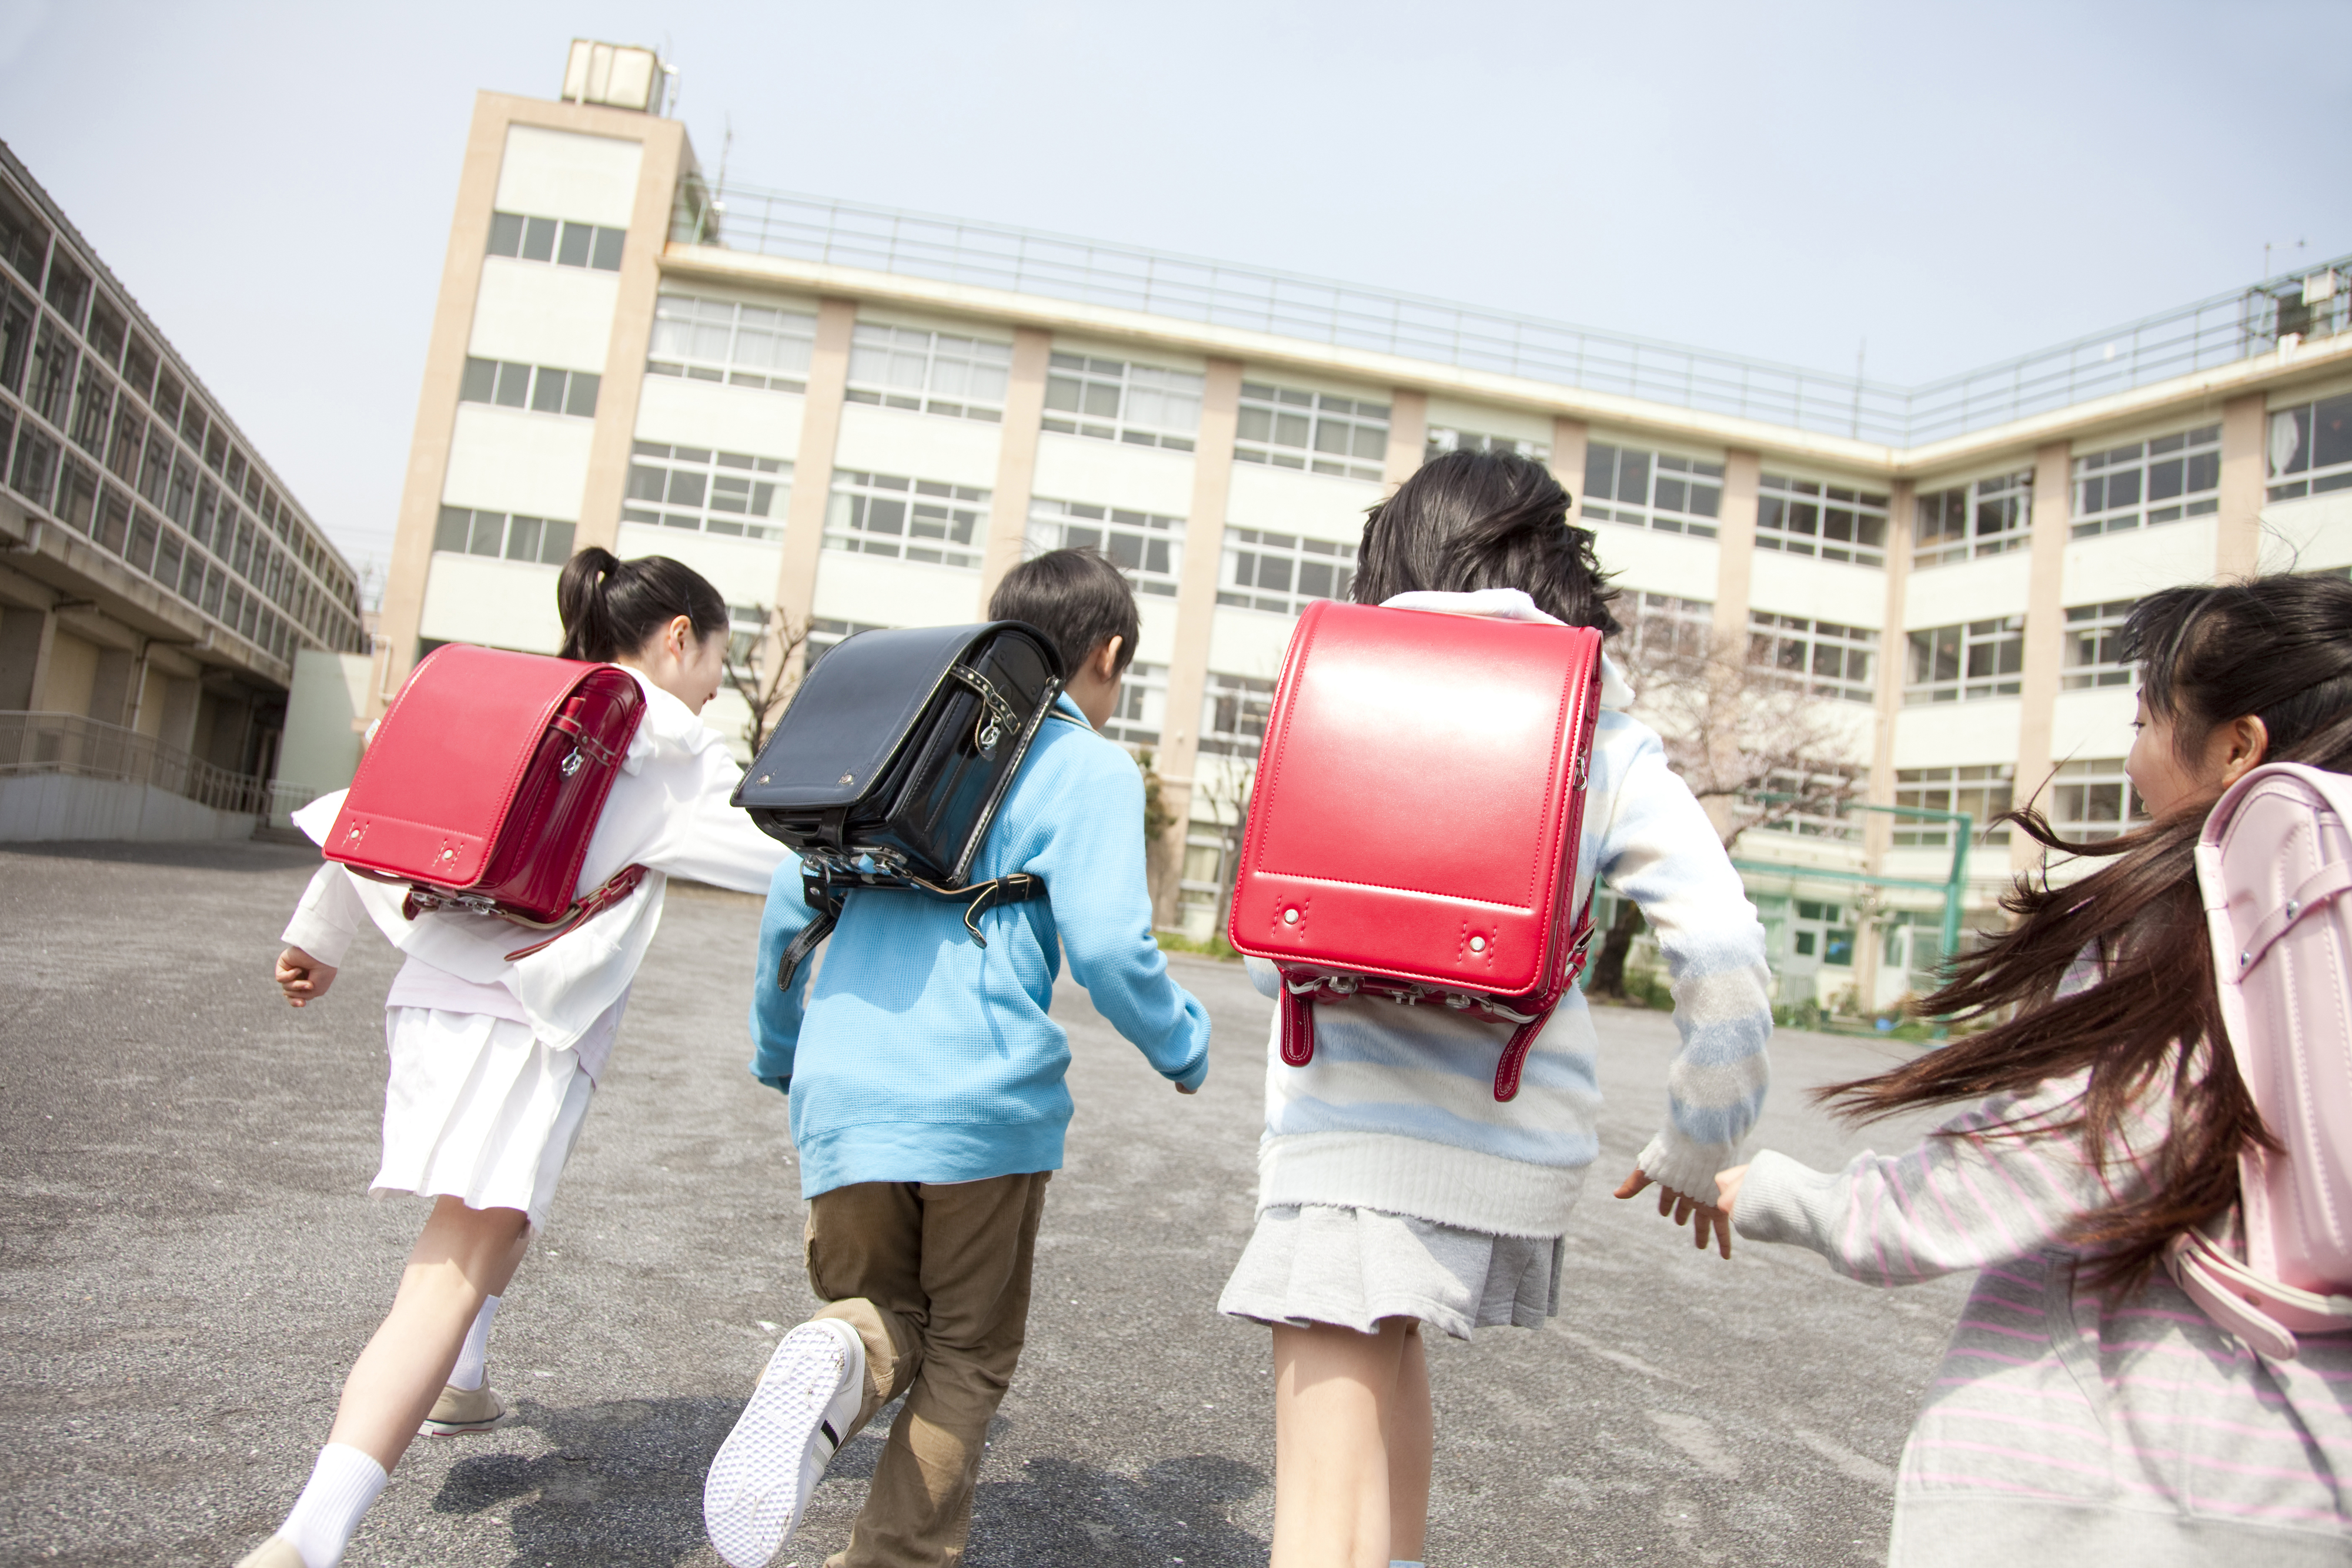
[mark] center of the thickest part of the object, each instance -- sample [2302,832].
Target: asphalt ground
[189,1263]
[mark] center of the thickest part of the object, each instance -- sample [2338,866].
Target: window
[1820,934]
[562,243]
[1142,406]
[823,634]
[2150,482]
[541,539]
[1147,546]
[139,367]
[1314,431]
[1281,573]
[2095,654]
[717,492]
[1652,490]
[742,345]
[936,373]
[1802,517]
[2311,448]
[106,330]
[1444,438]
[1827,783]
[1983,792]
[16,337]
[1819,657]
[53,368]
[541,388]
[2093,800]
[1142,706]
[1233,711]
[1663,629]
[93,400]
[36,466]
[24,238]
[1978,659]
[917,520]
[77,496]
[1984,518]
[68,288]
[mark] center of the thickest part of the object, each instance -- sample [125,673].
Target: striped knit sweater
[2058,1427]
[1396,1110]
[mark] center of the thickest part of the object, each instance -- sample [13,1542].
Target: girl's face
[686,666]
[2167,783]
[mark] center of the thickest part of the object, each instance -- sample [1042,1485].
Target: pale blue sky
[1955,183]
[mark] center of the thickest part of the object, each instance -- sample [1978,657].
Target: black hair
[611,607]
[2278,648]
[1469,521]
[1078,597]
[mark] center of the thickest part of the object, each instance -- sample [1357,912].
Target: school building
[160,585]
[866,416]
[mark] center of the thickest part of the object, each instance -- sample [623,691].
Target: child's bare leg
[1411,1435]
[1332,1393]
[464,1255]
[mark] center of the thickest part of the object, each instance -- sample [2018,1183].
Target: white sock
[1400,1563]
[473,1357]
[342,1484]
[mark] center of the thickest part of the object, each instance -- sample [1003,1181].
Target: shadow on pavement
[1061,1512]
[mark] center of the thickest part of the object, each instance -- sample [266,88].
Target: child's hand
[1188,1089]
[1726,1187]
[1684,1208]
[302,978]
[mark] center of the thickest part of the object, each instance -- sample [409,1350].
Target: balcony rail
[2213,331]
[88,748]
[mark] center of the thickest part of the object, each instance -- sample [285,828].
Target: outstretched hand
[1701,1215]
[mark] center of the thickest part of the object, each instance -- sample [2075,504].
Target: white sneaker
[764,1473]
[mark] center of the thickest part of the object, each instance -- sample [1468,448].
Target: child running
[1395,1192]
[929,1109]
[492,1063]
[2086,1410]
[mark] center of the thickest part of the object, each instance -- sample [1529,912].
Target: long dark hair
[1484,519]
[611,607]
[2280,649]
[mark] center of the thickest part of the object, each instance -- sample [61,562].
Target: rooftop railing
[2213,331]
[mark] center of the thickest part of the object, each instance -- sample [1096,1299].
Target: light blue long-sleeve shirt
[922,1056]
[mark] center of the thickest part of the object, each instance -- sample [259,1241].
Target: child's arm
[316,938]
[777,1011]
[1093,867]
[1964,1199]
[1660,850]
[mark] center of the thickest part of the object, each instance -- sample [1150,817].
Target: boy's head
[1079,600]
[1484,519]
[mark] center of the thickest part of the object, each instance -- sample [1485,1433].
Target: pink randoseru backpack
[2275,863]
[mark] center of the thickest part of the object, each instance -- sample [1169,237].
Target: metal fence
[2211,332]
[87,748]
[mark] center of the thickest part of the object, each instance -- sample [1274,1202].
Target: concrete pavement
[189,1263]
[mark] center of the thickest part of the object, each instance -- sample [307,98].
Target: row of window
[2090,800]
[1823,658]
[1799,516]
[731,493]
[502,536]
[1147,546]
[1111,400]
[913,519]
[1317,432]
[930,373]
[1282,572]
[542,388]
[2147,482]
[1443,439]
[110,393]
[565,243]
[1657,490]
[2310,449]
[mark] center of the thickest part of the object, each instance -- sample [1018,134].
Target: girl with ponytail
[493,1061]
[2085,1404]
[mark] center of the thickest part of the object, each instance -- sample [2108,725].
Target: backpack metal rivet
[846,778]
[765,777]
[1290,917]
[2293,908]
[2245,961]
[448,854]
[1477,944]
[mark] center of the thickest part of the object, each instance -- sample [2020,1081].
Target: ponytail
[611,607]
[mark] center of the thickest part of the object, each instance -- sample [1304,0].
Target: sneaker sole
[752,1499]
[457,1428]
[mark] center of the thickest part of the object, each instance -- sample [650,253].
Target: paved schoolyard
[188,1264]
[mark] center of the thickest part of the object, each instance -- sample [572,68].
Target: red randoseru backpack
[1415,823]
[485,782]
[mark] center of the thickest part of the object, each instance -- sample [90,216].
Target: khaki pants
[935,1279]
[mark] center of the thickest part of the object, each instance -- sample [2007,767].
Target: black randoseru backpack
[889,764]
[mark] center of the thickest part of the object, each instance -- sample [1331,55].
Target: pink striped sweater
[2058,1428]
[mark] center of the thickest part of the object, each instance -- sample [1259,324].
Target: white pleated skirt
[477,1109]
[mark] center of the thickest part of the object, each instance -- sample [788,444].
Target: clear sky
[1953,182]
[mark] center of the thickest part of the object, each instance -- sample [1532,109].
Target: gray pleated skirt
[1309,1264]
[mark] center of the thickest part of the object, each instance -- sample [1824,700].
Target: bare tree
[1761,746]
[761,670]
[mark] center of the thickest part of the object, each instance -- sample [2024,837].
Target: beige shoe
[275,1552]
[459,1411]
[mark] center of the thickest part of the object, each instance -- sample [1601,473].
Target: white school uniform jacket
[668,812]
